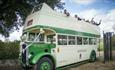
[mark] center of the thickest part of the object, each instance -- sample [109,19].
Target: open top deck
[59,23]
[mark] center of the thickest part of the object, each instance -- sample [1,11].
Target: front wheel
[44,64]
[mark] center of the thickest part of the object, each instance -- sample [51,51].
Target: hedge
[9,50]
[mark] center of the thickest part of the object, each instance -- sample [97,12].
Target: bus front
[36,49]
[37,45]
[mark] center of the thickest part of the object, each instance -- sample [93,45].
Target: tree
[14,12]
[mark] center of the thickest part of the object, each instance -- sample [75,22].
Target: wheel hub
[45,66]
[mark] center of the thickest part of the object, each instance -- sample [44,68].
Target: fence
[109,46]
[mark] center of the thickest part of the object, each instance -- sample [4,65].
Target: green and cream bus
[52,40]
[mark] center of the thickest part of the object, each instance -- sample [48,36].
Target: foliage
[14,12]
[101,46]
[9,50]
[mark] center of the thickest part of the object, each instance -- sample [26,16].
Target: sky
[98,9]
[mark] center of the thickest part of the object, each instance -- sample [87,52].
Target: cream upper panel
[47,17]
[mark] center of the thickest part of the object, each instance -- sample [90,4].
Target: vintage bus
[52,40]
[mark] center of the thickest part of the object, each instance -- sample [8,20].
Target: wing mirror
[41,31]
[23,37]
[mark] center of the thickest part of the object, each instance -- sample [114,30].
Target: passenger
[87,21]
[92,21]
[79,18]
[95,23]
[99,23]
[67,13]
[76,16]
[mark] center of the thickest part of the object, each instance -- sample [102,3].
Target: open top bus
[52,40]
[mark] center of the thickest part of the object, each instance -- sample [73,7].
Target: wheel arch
[41,55]
[52,59]
[92,54]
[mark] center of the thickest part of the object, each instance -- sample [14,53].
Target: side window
[85,41]
[95,41]
[79,40]
[91,41]
[62,40]
[31,36]
[71,40]
[49,38]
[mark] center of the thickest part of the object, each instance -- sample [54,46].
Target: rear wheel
[44,64]
[93,56]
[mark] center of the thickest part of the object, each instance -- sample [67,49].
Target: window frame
[85,41]
[62,39]
[78,40]
[70,40]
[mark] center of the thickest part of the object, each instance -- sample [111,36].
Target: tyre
[44,64]
[93,56]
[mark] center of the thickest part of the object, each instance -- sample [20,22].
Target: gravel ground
[10,65]
[95,66]
[98,65]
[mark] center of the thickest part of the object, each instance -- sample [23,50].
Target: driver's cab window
[40,38]
[32,37]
